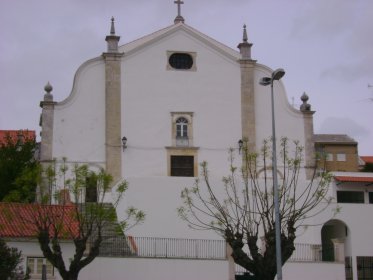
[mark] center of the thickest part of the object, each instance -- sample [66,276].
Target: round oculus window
[181,61]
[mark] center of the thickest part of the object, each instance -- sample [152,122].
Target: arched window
[181,128]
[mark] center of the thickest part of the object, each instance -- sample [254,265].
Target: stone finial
[112,39]
[48,89]
[245,46]
[244,37]
[112,28]
[305,106]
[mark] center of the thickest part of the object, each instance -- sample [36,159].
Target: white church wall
[212,93]
[79,120]
[159,198]
[289,122]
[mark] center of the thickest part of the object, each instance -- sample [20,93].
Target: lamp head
[240,143]
[124,142]
[278,74]
[265,81]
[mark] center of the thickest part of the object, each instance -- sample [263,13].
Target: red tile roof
[354,179]
[20,220]
[367,159]
[14,134]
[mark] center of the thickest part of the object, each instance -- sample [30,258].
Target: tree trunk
[71,276]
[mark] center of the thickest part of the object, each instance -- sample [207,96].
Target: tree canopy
[10,258]
[368,167]
[18,169]
[241,209]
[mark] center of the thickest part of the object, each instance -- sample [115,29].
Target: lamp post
[265,81]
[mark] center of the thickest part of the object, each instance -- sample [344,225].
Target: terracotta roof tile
[14,134]
[354,179]
[18,220]
[367,159]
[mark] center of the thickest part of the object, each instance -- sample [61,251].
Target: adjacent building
[336,152]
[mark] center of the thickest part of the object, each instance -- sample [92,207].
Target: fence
[153,247]
[306,253]
[303,253]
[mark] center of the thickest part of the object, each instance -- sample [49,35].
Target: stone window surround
[182,151]
[192,54]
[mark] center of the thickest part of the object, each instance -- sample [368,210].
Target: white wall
[312,271]
[159,198]
[289,121]
[155,269]
[79,120]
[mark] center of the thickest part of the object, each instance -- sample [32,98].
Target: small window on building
[182,166]
[91,188]
[329,157]
[341,157]
[35,266]
[182,61]
[350,197]
[182,128]
[182,132]
[371,197]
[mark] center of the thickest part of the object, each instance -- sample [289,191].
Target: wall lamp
[240,144]
[124,142]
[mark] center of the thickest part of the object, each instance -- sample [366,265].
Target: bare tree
[83,223]
[243,214]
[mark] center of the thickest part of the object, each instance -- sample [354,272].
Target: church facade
[151,110]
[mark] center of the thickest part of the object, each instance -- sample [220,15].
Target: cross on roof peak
[179,18]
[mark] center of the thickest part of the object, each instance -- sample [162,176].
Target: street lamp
[265,81]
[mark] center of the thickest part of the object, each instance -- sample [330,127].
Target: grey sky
[325,47]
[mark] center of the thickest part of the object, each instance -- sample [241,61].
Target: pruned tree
[241,209]
[56,219]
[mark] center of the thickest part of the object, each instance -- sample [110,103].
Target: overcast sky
[325,47]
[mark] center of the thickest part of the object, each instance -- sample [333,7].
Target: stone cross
[179,2]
